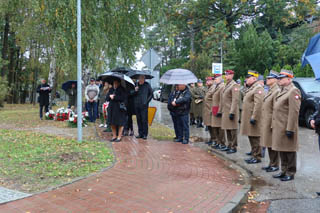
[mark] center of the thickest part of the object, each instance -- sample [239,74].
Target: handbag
[123,107]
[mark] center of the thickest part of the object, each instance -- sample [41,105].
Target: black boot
[191,121]
[200,121]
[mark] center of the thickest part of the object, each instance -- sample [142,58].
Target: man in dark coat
[72,93]
[43,89]
[315,124]
[173,95]
[182,109]
[141,103]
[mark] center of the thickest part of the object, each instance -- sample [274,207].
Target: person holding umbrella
[143,95]
[315,124]
[117,98]
[181,103]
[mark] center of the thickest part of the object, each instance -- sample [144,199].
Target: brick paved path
[149,176]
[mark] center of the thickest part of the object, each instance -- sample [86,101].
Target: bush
[3,90]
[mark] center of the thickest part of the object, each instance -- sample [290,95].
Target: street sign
[151,59]
[217,68]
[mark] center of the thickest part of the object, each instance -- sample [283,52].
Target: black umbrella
[109,77]
[123,70]
[136,73]
[67,85]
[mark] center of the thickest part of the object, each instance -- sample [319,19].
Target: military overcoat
[285,117]
[229,104]
[251,109]
[267,109]
[216,99]
[207,112]
[199,93]
[192,107]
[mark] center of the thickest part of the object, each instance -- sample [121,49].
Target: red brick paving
[149,176]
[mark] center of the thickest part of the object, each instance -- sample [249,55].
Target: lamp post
[79,71]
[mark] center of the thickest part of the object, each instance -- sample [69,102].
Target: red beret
[209,78]
[229,72]
[217,75]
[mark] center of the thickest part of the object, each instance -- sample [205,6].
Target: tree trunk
[5,47]
[52,77]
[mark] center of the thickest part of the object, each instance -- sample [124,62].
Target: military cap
[209,78]
[252,73]
[229,72]
[272,74]
[200,81]
[217,75]
[286,74]
[92,79]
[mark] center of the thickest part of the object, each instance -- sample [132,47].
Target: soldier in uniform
[229,110]
[192,106]
[266,130]
[285,125]
[216,101]
[207,109]
[251,115]
[199,94]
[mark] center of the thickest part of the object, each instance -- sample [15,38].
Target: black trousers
[46,107]
[129,123]
[142,120]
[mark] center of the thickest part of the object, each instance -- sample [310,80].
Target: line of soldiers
[269,119]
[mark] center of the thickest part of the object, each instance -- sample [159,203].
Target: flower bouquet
[73,119]
[62,114]
[50,115]
[85,115]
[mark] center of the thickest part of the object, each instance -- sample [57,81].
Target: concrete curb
[241,197]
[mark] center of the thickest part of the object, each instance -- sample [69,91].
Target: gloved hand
[289,134]
[219,115]
[252,121]
[231,116]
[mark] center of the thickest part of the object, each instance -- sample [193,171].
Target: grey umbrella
[178,76]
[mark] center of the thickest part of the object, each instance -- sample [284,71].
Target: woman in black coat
[117,98]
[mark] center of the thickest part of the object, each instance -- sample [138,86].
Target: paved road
[302,189]
[149,176]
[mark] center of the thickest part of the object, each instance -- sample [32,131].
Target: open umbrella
[122,70]
[109,77]
[136,73]
[312,55]
[178,76]
[67,85]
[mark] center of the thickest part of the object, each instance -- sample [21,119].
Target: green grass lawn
[32,161]
[161,132]
[35,161]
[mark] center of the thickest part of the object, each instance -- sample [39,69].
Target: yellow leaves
[42,6]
